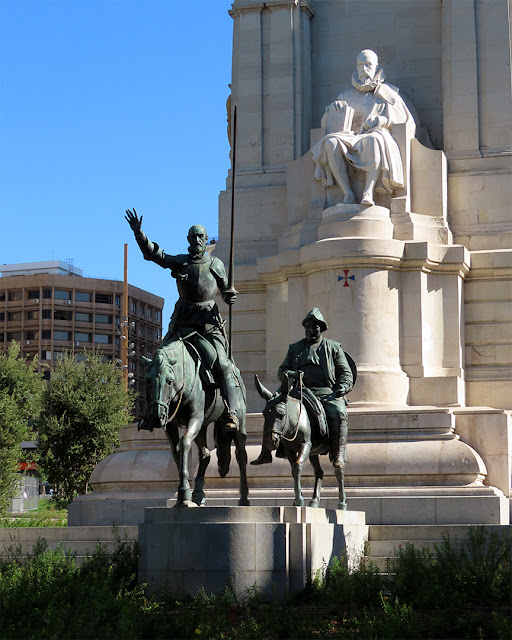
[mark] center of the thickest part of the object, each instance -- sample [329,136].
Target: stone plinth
[272,549]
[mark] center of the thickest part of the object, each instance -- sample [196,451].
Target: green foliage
[50,596]
[85,405]
[50,513]
[20,402]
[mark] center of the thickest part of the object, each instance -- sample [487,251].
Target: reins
[298,419]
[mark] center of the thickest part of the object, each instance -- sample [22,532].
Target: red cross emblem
[346,277]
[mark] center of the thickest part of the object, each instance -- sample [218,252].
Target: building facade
[51,308]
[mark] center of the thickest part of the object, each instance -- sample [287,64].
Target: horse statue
[181,393]
[288,428]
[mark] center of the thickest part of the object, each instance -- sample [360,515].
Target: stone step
[384,540]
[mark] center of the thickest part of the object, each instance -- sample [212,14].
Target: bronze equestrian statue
[191,381]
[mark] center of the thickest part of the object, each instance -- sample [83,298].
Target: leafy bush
[423,595]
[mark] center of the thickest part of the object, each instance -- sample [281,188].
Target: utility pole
[124,323]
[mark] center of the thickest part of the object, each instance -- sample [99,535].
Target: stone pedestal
[272,549]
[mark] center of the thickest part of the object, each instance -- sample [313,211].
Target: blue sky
[105,105]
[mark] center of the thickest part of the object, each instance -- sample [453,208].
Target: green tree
[85,405]
[21,387]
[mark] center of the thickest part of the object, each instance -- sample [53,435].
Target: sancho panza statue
[198,276]
[358,125]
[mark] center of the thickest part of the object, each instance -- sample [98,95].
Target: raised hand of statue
[133,220]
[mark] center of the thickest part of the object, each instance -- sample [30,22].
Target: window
[158,335]
[117,340]
[47,293]
[14,295]
[14,335]
[81,296]
[62,315]
[118,301]
[158,316]
[46,334]
[142,331]
[142,309]
[13,315]
[103,298]
[82,337]
[2,337]
[83,317]
[101,318]
[33,294]
[133,306]
[149,313]
[117,321]
[133,366]
[2,297]
[102,338]
[62,335]
[31,335]
[62,295]
[58,355]
[32,315]
[2,316]
[80,357]
[47,314]
[46,355]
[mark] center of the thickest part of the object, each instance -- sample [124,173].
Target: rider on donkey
[198,276]
[323,367]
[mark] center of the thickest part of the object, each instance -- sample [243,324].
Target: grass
[463,591]
[50,513]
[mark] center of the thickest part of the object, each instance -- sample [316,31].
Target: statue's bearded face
[197,238]
[367,63]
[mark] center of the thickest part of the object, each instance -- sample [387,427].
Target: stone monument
[415,280]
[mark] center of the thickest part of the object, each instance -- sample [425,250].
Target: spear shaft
[231,274]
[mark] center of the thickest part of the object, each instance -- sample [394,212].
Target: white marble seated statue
[358,131]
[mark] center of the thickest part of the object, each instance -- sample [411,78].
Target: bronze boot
[265,457]
[339,444]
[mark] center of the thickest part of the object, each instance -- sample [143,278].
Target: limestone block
[258,547]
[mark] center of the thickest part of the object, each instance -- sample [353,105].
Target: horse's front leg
[185,444]
[241,457]
[204,460]
[171,431]
[319,475]
[297,465]
[340,477]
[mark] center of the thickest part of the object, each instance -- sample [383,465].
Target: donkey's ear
[286,384]
[146,360]
[263,391]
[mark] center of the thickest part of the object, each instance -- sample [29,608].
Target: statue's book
[338,121]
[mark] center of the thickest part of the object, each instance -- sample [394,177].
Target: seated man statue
[324,369]
[358,127]
[198,276]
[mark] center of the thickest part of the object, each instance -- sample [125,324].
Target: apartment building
[50,308]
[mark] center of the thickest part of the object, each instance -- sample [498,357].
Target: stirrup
[231,423]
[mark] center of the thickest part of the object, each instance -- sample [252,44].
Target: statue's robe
[373,149]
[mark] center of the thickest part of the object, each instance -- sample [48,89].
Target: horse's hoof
[244,502]
[342,506]
[198,500]
[298,503]
[186,503]
[314,503]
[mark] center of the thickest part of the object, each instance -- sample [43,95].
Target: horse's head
[275,415]
[160,383]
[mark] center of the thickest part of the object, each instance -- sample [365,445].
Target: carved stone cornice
[252,6]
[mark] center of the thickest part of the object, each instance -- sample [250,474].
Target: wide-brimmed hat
[316,316]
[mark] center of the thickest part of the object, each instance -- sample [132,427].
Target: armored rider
[198,276]
[323,367]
